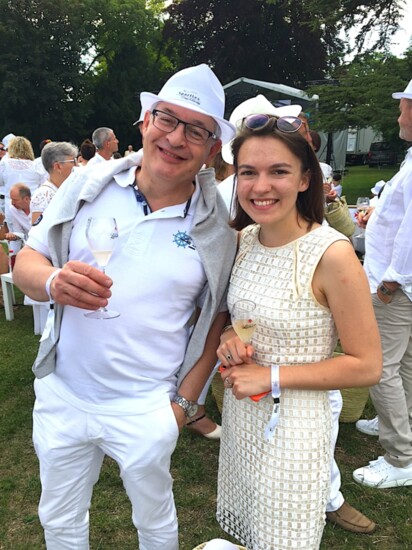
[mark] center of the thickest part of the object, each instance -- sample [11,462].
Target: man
[388,264]
[20,220]
[111,387]
[106,144]
[128,150]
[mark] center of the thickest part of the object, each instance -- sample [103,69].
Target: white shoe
[382,475]
[369,427]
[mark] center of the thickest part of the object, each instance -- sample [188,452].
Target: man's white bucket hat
[258,105]
[198,89]
[407,93]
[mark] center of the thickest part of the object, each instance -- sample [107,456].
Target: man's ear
[145,122]
[216,147]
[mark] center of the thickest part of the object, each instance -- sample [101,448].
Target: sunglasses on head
[286,124]
[2,149]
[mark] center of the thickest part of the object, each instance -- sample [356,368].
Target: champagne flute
[244,320]
[101,234]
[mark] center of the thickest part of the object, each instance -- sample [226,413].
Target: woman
[59,158]
[309,287]
[87,151]
[18,167]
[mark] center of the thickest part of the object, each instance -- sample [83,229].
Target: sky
[401,39]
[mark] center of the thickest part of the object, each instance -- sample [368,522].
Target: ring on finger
[227,382]
[229,357]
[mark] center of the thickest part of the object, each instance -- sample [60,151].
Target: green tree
[360,95]
[258,39]
[372,22]
[68,67]
[41,49]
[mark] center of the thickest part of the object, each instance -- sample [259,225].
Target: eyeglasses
[287,124]
[168,123]
[73,160]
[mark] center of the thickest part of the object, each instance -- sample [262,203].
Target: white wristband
[274,378]
[49,282]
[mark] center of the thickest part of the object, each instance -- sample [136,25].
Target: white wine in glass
[244,320]
[101,235]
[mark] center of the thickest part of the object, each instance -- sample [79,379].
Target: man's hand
[80,285]
[179,414]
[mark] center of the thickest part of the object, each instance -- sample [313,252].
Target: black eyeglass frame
[185,125]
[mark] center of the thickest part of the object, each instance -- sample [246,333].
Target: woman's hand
[232,351]
[247,379]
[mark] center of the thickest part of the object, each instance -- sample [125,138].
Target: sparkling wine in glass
[362,206]
[101,235]
[244,321]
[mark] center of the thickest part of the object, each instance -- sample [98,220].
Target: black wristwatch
[385,290]
[190,407]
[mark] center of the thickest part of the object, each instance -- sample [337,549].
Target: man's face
[405,119]
[2,150]
[112,143]
[170,155]
[17,201]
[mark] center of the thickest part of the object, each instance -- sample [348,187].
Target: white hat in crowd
[258,105]
[6,140]
[407,93]
[377,188]
[198,89]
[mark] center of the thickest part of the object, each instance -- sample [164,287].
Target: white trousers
[335,497]
[71,445]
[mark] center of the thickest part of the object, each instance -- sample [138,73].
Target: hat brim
[400,95]
[148,100]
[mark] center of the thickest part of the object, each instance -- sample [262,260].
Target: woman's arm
[339,283]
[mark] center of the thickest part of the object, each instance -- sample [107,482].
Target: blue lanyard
[141,199]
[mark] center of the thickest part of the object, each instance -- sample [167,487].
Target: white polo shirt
[129,364]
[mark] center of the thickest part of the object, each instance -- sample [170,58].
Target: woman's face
[269,178]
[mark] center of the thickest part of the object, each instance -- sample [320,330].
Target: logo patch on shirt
[183,240]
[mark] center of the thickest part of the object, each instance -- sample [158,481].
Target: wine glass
[244,319]
[101,234]
[362,205]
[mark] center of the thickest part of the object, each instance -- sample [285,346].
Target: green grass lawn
[194,469]
[358,180]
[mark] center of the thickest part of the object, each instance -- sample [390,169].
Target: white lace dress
[273,495]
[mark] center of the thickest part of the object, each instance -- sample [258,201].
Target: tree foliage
[258,39]
[372,22]
[68,67]
[360,95]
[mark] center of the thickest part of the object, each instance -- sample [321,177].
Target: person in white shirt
[58,158]
[388,265]
[106,144]
[125,386]
[19,222]
[18,167]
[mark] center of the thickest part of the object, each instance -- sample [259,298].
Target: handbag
[338,216]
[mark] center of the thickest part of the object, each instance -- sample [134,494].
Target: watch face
[192,409]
